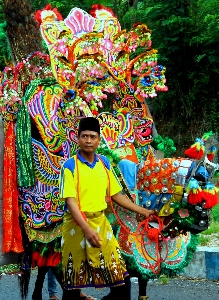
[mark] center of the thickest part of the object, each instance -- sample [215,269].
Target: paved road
[175,289]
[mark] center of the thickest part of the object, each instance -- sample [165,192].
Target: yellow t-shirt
[88,183]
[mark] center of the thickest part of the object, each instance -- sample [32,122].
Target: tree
[186,34]
[21,30]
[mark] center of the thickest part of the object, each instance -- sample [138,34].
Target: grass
[215,213]
[164,279]
[214,224]
[203,240]
[213,229]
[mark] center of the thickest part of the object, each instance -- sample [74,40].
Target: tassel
[194,191]
[210,156]
[153,234]
[210,195]
[207,135]
[24,280]
[197,150]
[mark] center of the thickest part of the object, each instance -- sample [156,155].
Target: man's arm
[124,202]
[91,235]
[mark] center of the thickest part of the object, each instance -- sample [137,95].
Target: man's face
[88,141]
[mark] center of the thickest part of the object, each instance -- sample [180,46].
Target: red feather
[96,7]
[37,14]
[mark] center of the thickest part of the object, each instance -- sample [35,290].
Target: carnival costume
[43,99]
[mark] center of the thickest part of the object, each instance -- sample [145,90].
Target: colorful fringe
[26,176]
[12,239]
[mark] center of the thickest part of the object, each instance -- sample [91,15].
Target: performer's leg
[142,285]
[67,293]
[127,288]
[37,293]
[71,294]
[120,292]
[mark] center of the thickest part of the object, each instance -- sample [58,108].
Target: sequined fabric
[172,252]
[12,239]
[43,236]
[161,182]
[24,149]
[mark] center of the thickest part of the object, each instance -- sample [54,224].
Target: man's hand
[92,237]
[146,212]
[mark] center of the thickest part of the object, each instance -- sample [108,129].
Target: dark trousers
[42,271]
[37,293]
[142,283]
[142,286]
[116,293]
[121,292]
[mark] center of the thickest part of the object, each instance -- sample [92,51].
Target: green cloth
[24,148]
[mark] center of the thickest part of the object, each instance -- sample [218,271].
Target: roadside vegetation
[210,237]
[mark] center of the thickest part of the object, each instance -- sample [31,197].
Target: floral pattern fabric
[86,266]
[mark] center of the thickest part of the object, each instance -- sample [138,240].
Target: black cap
[89,123]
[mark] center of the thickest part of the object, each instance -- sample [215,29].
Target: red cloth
[51,260]
[12,238]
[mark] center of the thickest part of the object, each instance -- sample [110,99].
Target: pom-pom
[211,153]
[164,144]
[197,150]
[194,191]
[207,135]
[153,234]
[94,112]
[210,195]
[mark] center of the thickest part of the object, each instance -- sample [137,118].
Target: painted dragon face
[141,122]
[143,129]
[67,42]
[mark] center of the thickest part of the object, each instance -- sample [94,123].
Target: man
[90,252]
